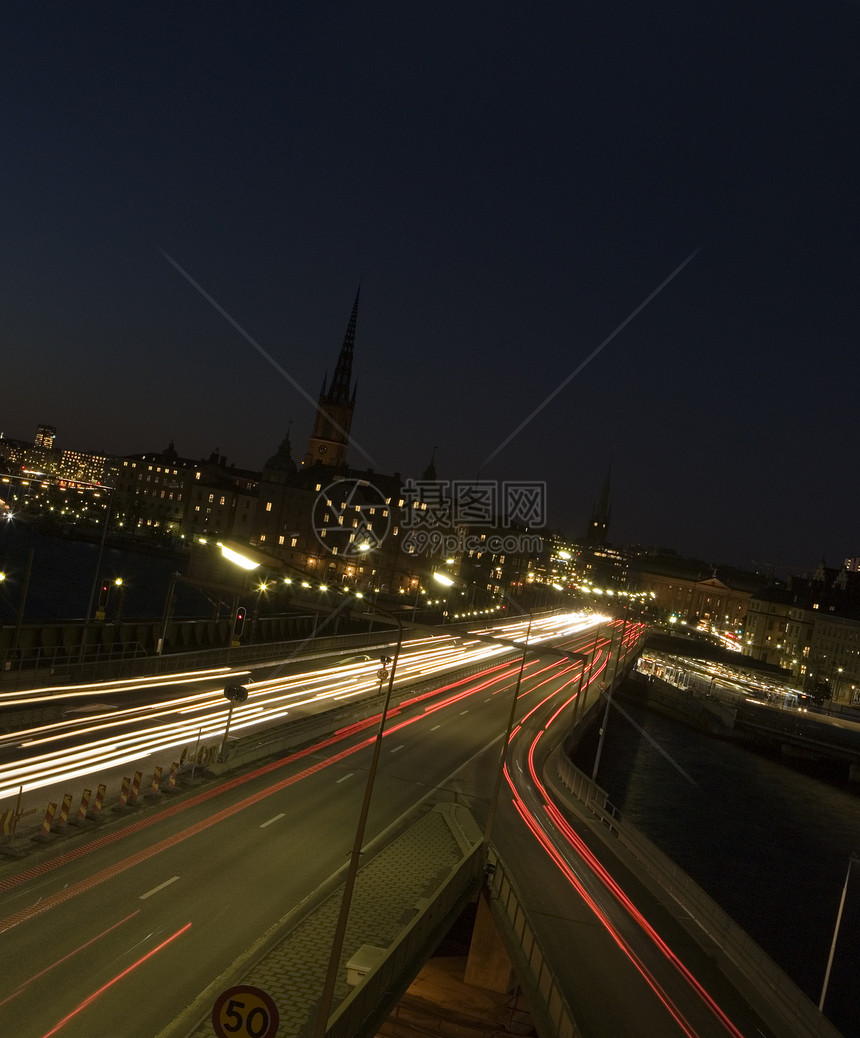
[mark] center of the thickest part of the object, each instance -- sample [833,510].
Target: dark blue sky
[510,183]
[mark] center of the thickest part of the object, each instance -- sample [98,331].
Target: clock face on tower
[323,449]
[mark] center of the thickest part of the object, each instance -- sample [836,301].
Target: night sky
[509,182]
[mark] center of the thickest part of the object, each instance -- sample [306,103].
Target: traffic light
[239,621]
[103,594]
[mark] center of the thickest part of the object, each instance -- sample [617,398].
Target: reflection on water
[63,573]
[768,841]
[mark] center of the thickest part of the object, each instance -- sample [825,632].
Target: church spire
[330,435]
[339,391]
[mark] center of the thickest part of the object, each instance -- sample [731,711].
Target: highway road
[112,728]
[116,933]
[603,920]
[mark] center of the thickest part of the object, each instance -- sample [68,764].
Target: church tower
[330,436]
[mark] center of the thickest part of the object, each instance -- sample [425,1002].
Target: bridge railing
[546,1000]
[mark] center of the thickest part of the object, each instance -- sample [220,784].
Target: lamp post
[851,861]
[22,600]
[577,710]
[120,599]
[491,816]
[95,583]
[165,618]
[255,616]
[609,696]
[446,582]
[355,855]
[497,788]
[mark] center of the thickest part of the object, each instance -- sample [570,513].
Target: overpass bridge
[415,885]
[558,918]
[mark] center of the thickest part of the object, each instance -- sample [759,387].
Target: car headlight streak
[88,745]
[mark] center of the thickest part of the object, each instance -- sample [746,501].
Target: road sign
[238,693]
[245,1012]
[382,674]
[602,686]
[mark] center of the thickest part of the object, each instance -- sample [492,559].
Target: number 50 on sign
[245,1012]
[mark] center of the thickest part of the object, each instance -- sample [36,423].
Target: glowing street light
[243,561]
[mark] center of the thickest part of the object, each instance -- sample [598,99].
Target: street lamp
[446,582]
[504,751]
[835,934]
[255,616]
[611,684]
[355,855]
[565,653]
[19,613]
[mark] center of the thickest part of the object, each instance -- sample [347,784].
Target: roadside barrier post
[135,789]
[65,807]
[97,806]
[45,831]
[81,816]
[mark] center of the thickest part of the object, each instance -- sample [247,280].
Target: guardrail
[129,659]
[549,1008]
[754,965]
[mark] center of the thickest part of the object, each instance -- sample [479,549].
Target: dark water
[63,571]
[769,842]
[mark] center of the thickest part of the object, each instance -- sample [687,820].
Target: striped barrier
[7,823]
[81,817]
[65,807]
[45,831]
[96,811]
[171,778]
[123,794]
[155,785]
[135,789]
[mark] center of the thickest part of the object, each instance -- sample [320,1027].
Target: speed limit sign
[245,1012]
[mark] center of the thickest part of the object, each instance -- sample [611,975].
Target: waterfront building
[811,628]
[714,598]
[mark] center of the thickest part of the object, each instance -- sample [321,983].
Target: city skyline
[509,192]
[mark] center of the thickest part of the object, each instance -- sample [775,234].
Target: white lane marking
[275,819]
[343,778]
[400,747]
[160,886]
[435,726]
[463,712]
